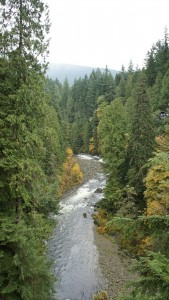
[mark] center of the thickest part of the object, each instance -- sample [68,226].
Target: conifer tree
[164,99]
[107,86]
[24,189]
[151,71]
[21,48]
[64,95]
[162,54]
[142,139]
[112,142]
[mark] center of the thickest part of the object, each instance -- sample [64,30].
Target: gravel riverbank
[114,264]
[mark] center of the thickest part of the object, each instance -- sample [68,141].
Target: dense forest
[124,119]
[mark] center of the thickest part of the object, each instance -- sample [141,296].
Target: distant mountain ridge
[62,71]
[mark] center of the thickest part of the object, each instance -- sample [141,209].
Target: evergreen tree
[130,67]
[121,89]
[164,99]
[53,89]
[154,93]
[142,140]
[92,94]
[25,182]
[129,86]
[107,86]
[150,70]
[112,142]
[153,283]
[64,94]
[162,54]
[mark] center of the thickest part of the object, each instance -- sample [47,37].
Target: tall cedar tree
[142,138]
[24,272]
[23,101]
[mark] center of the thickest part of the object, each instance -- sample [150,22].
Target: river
[72,247]
[85,261]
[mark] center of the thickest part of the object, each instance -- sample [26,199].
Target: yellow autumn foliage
[72,175]
[100,220]
[160,140]
[91,146]
[157,190]
[154,207]
[102,295]
[69,152]
[101,229]
[76,173]
[144,245]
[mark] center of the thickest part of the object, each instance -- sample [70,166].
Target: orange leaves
[72,174]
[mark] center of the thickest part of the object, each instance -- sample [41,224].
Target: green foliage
[23,37]
[111,132]
[112,143]
[137,297]
[107,87]
[151,72]
[142,141]
[154,278]
[125,203]
[25,272]
[30,152]
[79,108]
[163,103]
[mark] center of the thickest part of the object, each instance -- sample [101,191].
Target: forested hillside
[63,71]
[125,119]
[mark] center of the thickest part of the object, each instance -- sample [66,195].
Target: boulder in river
[99,190]
[85,215]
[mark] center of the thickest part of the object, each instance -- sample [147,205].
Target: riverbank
[114,264]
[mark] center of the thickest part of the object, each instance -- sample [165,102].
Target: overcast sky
[105,32]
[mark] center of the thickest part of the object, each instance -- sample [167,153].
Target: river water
[72,245]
